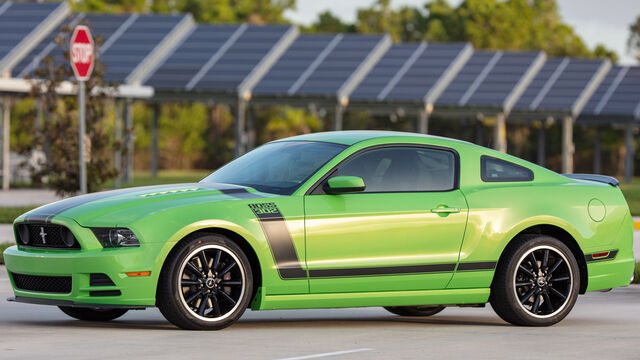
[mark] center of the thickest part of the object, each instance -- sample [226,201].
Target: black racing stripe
[48,212]
[279,239]
[241,193]
[474,266]
[612,255]
[388,270]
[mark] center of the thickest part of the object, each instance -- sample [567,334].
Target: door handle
[445,210]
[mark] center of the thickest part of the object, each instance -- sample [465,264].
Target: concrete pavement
[602,325]
[27,197]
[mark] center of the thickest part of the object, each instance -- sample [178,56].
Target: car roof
[350,137]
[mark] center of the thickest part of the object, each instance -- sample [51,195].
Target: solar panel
[102,26]
[135,43]
[19,19]
[491,78]
[408,72]
[617,95]
[250,48]
[317,65]
[559,85]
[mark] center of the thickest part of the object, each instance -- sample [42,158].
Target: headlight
[116,237]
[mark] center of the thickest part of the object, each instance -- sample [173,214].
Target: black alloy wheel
[206,284]
[536,283]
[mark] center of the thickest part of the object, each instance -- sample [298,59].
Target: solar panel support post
[597,151]
[337,118]
[251,129]
[629,152]
[129,140]
[479,129]
[500,133]
[239,130]
[154,140]
[117,134]
[6,136]
[542,144]
[423,121]
[568,147]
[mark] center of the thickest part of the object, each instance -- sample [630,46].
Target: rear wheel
[414,310]
[92,314]
[206,283]
[536,283]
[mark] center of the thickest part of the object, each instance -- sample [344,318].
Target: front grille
[50,284]
[50,236]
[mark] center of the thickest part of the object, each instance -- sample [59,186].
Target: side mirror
[344,184]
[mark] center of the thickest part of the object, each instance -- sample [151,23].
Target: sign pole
[81,134]
[82,59]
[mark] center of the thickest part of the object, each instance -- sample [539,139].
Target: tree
[633,44]
[59,132]
[207,11]
[327,22]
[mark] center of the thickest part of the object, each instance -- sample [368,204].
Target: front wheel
[87,314]
[536,283]
[414,310]
[206,283]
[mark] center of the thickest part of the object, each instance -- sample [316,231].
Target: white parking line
[315,356]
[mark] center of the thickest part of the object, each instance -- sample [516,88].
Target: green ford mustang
[410,222]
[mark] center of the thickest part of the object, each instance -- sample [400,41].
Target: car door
[403,232]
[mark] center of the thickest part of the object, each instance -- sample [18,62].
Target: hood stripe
[50,211]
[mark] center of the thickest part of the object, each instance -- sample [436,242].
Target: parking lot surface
[602,325]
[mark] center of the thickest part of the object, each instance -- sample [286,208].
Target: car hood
[118,207]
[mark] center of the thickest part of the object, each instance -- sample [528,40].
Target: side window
[496,170]
[396,169]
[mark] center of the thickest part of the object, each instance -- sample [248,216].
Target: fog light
[67,237]
[23,234]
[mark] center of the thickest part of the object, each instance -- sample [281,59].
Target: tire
[414,310]
[87,314]
[543,290]
[210,293]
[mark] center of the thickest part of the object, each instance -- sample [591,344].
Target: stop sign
[81,52]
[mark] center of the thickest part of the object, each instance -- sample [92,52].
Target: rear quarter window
[498,170]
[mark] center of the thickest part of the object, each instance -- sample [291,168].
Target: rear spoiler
[594,177]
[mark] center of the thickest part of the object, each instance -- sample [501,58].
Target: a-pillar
[500,133]
[568,147]
[597,151]
[154,139]
[129,140]
[629,153]
[6,136]
[423,121]
[239,130]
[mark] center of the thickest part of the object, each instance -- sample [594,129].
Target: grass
[632,194]
[8,214]
[164,177]
[636,274]
[2,248]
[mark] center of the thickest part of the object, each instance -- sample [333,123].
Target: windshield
[279,167]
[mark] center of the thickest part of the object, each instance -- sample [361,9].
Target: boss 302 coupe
[409,222]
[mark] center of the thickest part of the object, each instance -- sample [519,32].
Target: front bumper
[115,263]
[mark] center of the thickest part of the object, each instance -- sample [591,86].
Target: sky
[596,21]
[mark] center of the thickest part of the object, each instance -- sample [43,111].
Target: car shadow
[273,323]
